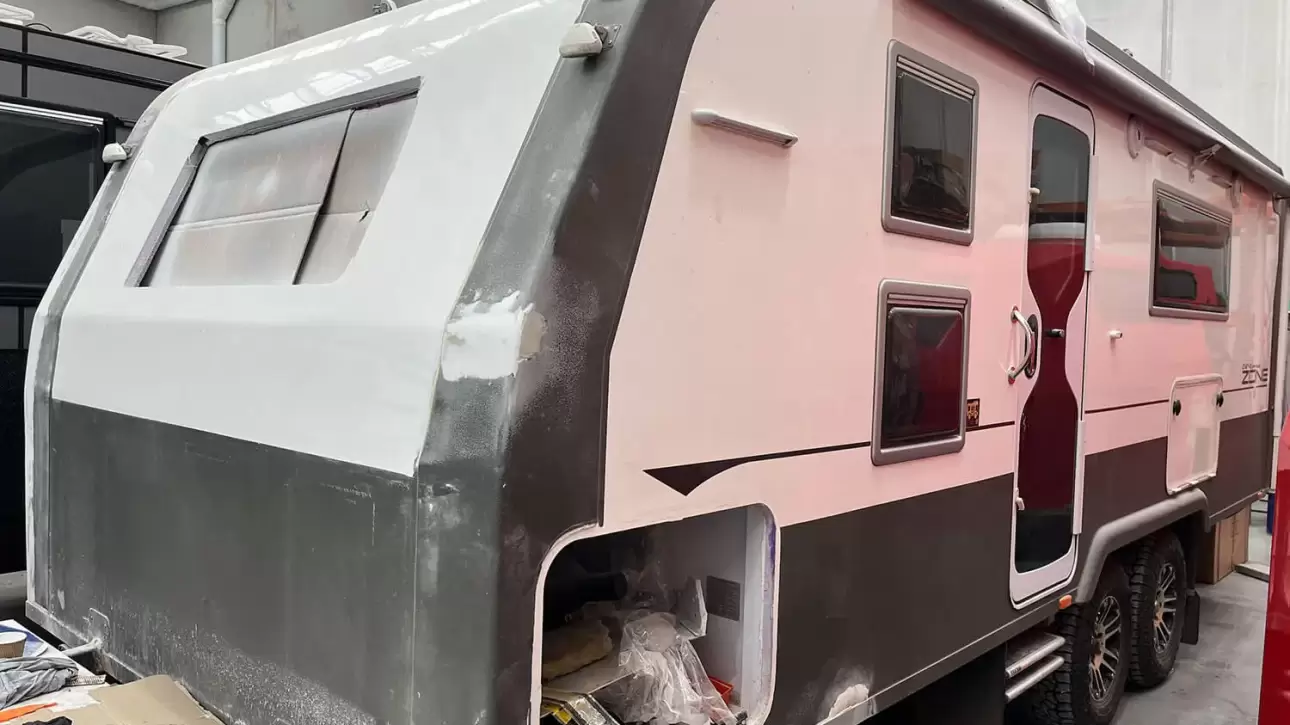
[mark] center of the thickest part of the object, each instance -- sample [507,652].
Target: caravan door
[1051,317]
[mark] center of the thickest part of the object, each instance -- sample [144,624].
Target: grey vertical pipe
[220,10]
[1167,43]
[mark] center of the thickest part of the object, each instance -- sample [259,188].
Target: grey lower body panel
[282,588]
[269,581]
[897,596]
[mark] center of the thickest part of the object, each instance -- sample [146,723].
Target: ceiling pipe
[220,10]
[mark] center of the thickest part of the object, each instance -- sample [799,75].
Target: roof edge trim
[1028,30]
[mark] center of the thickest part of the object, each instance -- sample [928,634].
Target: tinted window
[49,171]
[932,135]
[922,376]
[1192,255]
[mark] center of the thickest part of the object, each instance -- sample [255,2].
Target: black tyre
[1088,687]
[1157,583]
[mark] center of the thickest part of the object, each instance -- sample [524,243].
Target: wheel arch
[1184,514]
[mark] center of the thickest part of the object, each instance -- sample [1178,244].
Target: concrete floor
[1217,681]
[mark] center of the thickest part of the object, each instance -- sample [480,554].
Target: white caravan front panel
[342,370]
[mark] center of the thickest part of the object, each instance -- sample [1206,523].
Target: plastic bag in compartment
[1073,25]
[668,684]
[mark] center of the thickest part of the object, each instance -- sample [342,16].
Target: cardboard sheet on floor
[152,701]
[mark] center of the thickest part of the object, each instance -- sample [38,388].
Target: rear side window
[1192,258]
[920,391]
[931,149]
[288,205]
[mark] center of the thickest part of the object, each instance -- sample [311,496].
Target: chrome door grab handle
[1015,371]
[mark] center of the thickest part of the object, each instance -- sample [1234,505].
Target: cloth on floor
[55,721]
[573,647]
[23,678]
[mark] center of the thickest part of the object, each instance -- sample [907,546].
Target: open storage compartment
[669,624]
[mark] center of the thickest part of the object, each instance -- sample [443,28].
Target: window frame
[174,202]
[904,294]
[1160,189]
[948,77]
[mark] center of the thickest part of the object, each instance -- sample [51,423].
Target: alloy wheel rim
[1165,616]
[1104,665]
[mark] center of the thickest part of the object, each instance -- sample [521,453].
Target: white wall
[1228,57]
[258,25]
[189,26]
[65,15]
[1134,25]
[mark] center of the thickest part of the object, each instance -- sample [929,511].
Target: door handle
[1028,352]
[1055,332]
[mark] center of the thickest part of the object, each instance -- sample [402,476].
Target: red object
[1206,292]
[723,688]
[1274,700]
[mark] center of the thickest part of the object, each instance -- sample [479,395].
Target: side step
[1030,658]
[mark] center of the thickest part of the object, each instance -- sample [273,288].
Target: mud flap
[1191,620]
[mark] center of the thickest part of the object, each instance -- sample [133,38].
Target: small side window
[921,371]
[1191,272]
[931,149]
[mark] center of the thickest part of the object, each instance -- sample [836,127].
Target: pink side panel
[749,326]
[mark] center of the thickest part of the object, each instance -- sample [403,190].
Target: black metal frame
[125,82]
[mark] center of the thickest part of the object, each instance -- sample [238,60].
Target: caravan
[908,346]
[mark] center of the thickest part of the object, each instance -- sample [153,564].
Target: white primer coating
[486,341]
[344,370]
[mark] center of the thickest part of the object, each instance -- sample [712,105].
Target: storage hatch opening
[666,623]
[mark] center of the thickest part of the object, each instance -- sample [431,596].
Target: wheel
[1088,687]
[1156,609]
